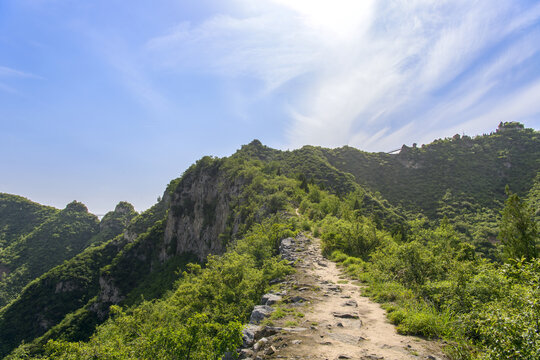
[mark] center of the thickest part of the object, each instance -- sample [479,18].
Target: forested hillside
[59,238]
[19,216]
[445,236]
[46,300]
[475,169]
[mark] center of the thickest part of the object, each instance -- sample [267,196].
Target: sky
[104,101]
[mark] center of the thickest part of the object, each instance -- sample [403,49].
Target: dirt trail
[327,318]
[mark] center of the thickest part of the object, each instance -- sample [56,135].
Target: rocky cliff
[200,210]
[194,219]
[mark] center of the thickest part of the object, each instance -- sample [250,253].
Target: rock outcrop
[200,208]
[190,219]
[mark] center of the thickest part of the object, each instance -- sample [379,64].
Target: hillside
[477,169]
[19,216]
[60,237]
[418,178]
[46,300]
[420,229]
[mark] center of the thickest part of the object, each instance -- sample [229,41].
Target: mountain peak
[76,206]
[123,207]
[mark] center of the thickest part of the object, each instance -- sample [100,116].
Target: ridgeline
[444,236]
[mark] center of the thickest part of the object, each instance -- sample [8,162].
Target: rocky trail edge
[318,313]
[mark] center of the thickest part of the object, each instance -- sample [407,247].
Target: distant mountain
[43,302]
[20,216]
[417,178]
[63,235]
[478,168]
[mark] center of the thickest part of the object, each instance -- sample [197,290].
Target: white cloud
[256,47]
[369,68]
[6,72]
[128,65]
[523,104]
[341,18]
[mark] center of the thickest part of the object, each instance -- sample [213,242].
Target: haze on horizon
[104,101]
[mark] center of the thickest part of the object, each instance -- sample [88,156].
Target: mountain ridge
[214,206]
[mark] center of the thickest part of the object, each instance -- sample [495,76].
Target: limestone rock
[345,315]
[270,299]
[259,313]
[250,333]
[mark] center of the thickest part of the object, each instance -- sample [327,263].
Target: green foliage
[114,222]
[439,276]
[533,198]
[139,269]
[200,319]
[436,285]
[359,238]
[19,216]
[510,327]
[45,301]
[421,318]
[417,178]
[127,269]
[307,160]
[62,236]
[160,280]
[518,229]
[478,224]
[152,331]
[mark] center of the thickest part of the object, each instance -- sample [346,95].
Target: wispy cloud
[128,67]
[375,74]
[6,72]
[253,47]
[10,74]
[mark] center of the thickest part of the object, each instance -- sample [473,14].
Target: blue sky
[103,101]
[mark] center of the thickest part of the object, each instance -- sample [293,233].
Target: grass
[282,312]
[410,314]
[279,313]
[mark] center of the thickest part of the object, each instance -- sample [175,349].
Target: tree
[303,183]
[518,230]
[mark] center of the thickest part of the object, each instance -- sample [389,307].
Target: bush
[426,321]
[357,239]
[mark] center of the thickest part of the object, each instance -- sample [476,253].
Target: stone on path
[345,315]
[250,333]
[259,313]
[270,299]
[346,339]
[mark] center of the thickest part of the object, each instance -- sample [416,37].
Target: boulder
[259,313]
[270,299]
[260,344]
[251,333]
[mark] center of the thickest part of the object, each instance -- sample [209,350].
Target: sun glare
[343,18]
